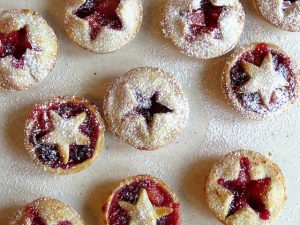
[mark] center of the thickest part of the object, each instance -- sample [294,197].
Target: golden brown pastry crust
[79,167]
[108,40]
[38,64]
[128,181]
[119,101]
[52,211]
[219,198]
[204,46]
[272,11]
[230,96]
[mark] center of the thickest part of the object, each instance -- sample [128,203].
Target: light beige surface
[213,129]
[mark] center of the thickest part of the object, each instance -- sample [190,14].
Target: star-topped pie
[142,200]
[46,211]
[103,26]
[146,108]
[65,135]
[28,49]
[203,28]
[260,80]
[284,14]
[245,188]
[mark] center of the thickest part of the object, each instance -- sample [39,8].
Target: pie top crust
[285,14]
[253,84]
[64,135]
[146,108]
[214,36]
[142,199]
[108,38]
[36,53]
[46,211]
[263,207]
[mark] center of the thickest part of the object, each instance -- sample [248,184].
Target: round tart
[245,188]
[284,14]
[146,108]
[204,28]
[28,49]
[261,80]
[142,200]
[64,135]
[103,26]
[46,211]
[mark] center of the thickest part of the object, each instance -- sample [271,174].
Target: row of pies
[199,28]
[242,188]
[147,109]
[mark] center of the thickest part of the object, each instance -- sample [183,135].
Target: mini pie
[204,28]
[64,135]
[146,108]
[261,80]
[284,14]
[142,200]
[46,211]
[245,188]
[103,26]
[28,49]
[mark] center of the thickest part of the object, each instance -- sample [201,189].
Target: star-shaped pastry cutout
[15,44]
[148,107]
[99,14]
[264,79]
[66,132]
[143,212]
[247,192]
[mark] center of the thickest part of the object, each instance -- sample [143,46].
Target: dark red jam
[158,196]
[148,107]
[247,192]
[36,219]
[99,14]
[203,20]
[15,44]
[253,101]
[49,154]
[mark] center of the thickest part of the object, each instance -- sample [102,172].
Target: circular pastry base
[79,167]
[229,94]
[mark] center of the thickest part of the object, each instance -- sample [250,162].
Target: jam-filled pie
[65,134]
[146,108]
[245,188]
[142,200]
[28,49]
[204,28]
[46,211]
[284,14]
[261,80]
[103,26]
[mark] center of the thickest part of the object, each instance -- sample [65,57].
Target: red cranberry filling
[247,192]
[148,107]
[49,154]
[15,44]
[36,219]
[203,20]
[99,14]
[157,195]
[253,101]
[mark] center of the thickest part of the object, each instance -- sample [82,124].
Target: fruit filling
[36,219]
[203,20]
[253,101]
[99,14]
[158,196]
[148,107]
[48,154]
[247,192]
[15,44]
